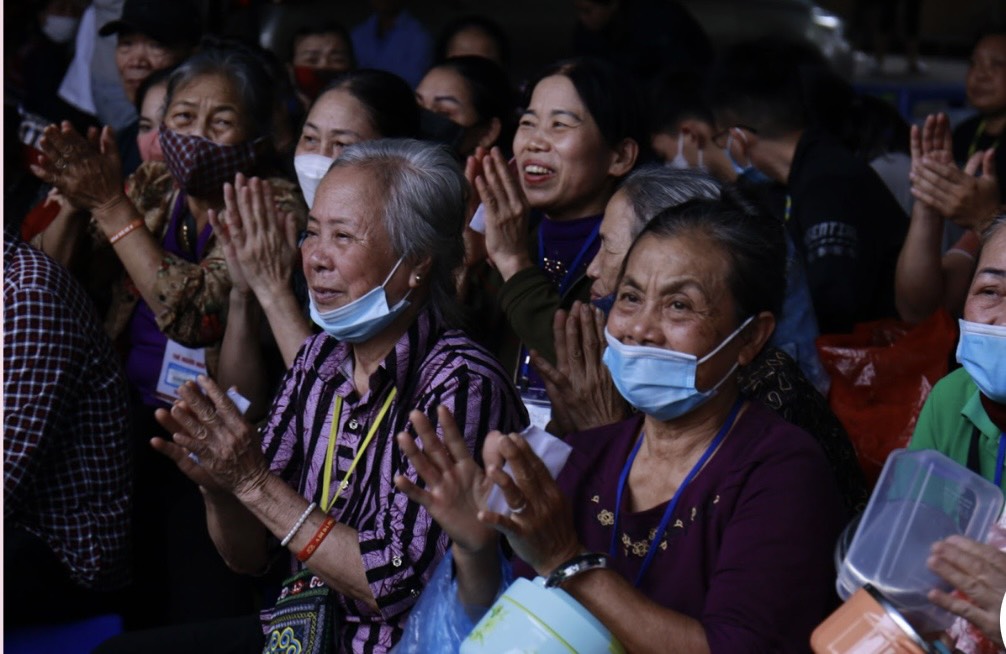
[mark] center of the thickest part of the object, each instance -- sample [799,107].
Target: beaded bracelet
[122,233]
[300,523]
[315,541]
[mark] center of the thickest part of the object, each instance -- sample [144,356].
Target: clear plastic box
[921,497]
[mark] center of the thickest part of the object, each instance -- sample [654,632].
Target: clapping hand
[87,171]
[456,487]
[228,448]
[959,195]
[579,386]
[507,215]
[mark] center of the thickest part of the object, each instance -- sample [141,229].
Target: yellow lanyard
[978,135]
[333,436]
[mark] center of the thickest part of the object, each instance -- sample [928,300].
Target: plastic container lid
[531,618]
[921,497]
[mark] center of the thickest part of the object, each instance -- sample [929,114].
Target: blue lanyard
[669,511]
[1000,459]
[569,277]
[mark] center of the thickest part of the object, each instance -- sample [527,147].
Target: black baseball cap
[169,22]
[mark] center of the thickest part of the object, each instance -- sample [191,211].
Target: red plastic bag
[881,375]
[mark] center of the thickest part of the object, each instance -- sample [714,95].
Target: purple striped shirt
[400,543]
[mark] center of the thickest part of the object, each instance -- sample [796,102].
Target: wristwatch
[576,565]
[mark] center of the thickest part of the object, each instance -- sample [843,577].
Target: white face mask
[310,169]
[60,29]
[679,162]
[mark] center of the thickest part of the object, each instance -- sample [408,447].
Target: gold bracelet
[122,233]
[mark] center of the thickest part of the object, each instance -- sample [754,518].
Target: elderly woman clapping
[382,246]
[164,276]
[714,518]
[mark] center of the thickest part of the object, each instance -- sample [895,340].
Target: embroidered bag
[304,619]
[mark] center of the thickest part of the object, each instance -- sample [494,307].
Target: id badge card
[180,364]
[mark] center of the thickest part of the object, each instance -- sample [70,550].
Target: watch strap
[574,566]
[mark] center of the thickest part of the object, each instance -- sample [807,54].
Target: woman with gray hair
[382,245]
[579,387]
[154,258]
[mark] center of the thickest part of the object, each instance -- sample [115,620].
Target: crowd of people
[275,323]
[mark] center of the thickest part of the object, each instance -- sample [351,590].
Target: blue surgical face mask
[362,318]
[982,352]
[749,173]
[660,382]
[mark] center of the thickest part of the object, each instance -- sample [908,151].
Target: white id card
[180,364]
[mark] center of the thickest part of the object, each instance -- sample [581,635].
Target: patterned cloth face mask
[200,166]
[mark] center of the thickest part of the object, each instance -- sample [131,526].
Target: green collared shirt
[950,415]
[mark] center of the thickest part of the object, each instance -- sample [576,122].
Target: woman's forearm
[638,623]
[138,250]
[240,538]
[289,327]
[919,283]
[59,240]
[477,575]
[241,362]
[338,560]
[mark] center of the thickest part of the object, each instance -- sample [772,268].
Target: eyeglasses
[720,139]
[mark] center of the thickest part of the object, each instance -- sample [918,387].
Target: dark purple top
[561,242]
[748,552]
[146,341]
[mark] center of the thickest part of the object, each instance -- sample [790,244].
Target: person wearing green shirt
[965,415]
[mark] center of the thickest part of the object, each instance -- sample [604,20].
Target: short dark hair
[329,27]
[486,25]
[675,97]
[754,242]
[489,85]
[766,84]
[390,102]
[609,94]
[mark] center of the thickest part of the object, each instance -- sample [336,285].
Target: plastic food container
[867,624]
[531,618]
[920,498]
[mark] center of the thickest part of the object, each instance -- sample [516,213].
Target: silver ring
[520,508]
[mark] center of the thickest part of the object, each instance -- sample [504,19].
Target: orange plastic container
[867,624]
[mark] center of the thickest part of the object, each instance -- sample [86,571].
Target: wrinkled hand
[211,427]
[979,571]
[87,171]
[218,221]
[579,385]
[540,524]
[263,239]
[456,487]
[507,211]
